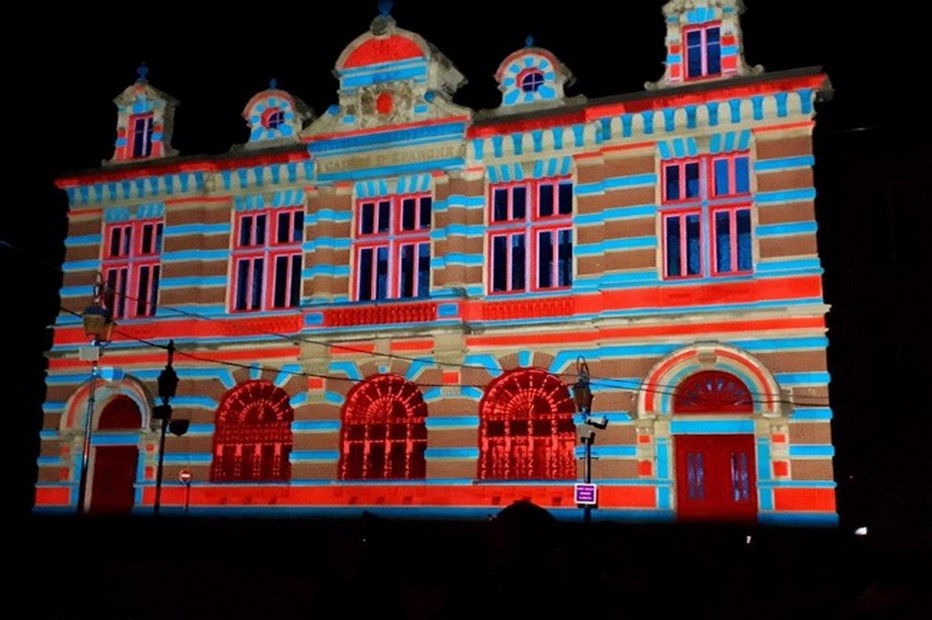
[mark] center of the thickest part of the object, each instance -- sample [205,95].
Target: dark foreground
[519,565]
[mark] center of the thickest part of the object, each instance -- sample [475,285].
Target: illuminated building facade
[382,308]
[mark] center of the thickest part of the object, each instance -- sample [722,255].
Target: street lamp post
[582,395]
[98,324]
[168,385]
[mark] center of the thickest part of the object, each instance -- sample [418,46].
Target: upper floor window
[530,236]
[142,127]
[391,247]
[267,259]
[703,51]
[531,81]
[706,216]
[131,267]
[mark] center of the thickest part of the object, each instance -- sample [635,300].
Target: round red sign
[185,476]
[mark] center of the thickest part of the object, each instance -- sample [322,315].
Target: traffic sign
[184,476]
[586,494]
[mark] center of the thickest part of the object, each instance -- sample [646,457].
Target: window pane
[127,248]
[692,180]
[500,205]
[115,235]
[742,175]
[695,475]
[566,198]
[565,265]
[367,217]
[426,205]
[545,259]
[283,227]
[745,255]
[407,270]
[146,239]
[721,177]
[295,296]
[694,54]
[713,51]
[423,270]
[385,210]
[673,246]
[692,245]
[298,234]
[365,274]
[260,229]
[142,292]
[722,242]
[672,177]
[381,273]
[242,284]
[519,202]
[245,230]
[518,263]
[121,292]
[545,202]
[154,298]
[407,214]
[500,264]
[257,268]
[158,238]
[281,281]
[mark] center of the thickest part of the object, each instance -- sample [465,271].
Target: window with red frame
[530,236]
[526,428]
[253,438]
[142,128]
[707,196]
[703,51]
[384,432]
[267,259]
[131,267]
[392,247]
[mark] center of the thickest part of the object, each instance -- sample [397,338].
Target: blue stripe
[82,240]
[812,414]
[315,426]
[199,255]
[607,451]
[802,451]
[803,265]
[115,439]
[433,133]
[195,402]
[799,519]
[789,195]
[193,282]
[711,427]
[189,458]
[197,229]
[617,213]
[803,378]
[326,270]
[315,456]
[328,215]
[784,163]
[452,453]
[330,243]
[787,229]
[80,265]
[452,422]
[452,163]
[612,245]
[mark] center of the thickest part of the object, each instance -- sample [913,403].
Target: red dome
[382,50]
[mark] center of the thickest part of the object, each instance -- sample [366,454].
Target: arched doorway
[114,466]
[715,473]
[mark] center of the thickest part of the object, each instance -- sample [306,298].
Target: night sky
[63,65]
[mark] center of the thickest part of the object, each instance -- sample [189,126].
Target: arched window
[526,428]
[384,432]
[252,438]
[712,391]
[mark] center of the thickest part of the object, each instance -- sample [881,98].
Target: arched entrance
[114,466]
[715,473]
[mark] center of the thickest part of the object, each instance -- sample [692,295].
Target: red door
[715,478]
[114,475]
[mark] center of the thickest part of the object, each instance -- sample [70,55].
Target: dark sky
[63,65]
